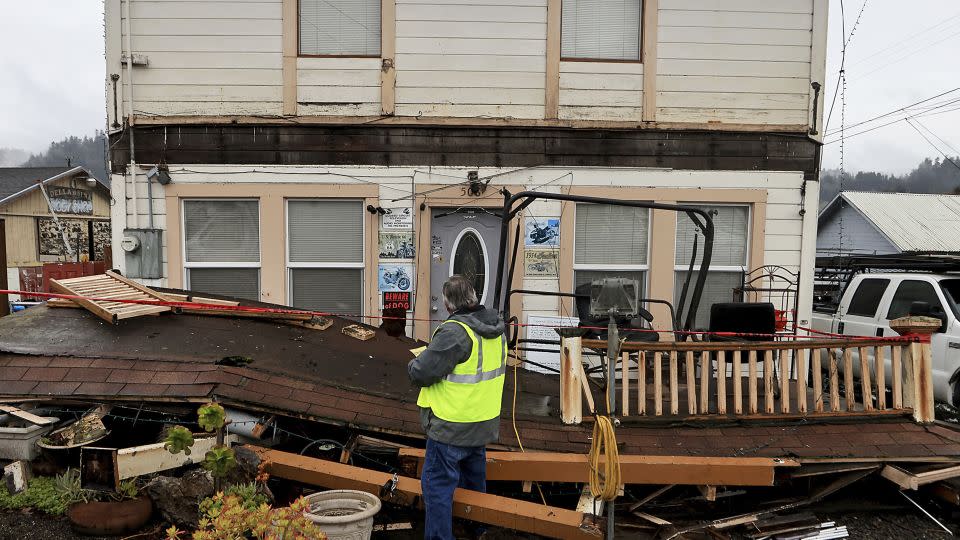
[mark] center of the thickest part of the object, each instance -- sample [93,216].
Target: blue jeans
[445,468]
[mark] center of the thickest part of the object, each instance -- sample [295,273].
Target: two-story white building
[319,153]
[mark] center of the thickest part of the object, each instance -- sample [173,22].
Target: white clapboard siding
[764,85]
[166,92]
[208,108]
[619,114]
[732,116]
[148,44]
[772,6]
[466,58]
[209,77]
[338,86]
[605,98]
[601,91]
[709,51]
[731,100]
[206,27]
[734,36]
[213,60]
[735,19]
[600,81]
[732,68]
[201,9]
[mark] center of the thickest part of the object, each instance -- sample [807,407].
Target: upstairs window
[340,28]
[600,30]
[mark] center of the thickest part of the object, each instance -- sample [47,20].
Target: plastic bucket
[343,514]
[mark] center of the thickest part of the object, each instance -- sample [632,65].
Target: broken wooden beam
[682,470]
[26,415]
[480,507]
[911,480]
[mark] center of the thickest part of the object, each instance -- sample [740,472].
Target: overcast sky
[52,72]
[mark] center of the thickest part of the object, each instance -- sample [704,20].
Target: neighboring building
[859,223]
[80,201]
[280,122]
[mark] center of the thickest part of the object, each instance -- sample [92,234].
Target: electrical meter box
[142,251]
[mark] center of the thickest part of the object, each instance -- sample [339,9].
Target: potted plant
[220,459]
[103,513]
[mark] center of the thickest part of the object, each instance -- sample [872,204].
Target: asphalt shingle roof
[16,179]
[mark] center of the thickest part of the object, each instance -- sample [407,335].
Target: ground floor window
[325,255]
[730,245]
[610,241]
[222,247]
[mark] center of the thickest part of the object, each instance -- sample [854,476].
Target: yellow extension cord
[605,482]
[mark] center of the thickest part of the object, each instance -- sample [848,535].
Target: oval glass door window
[470,260]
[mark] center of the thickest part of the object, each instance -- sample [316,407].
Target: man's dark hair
[458,293]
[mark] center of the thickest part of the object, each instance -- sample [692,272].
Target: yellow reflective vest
[474,391]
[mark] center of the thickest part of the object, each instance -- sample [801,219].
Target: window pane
[867,297]
[611,234]
[326,231]
[335,290]
[729,236]
[469,262]
[600,29]
[718,288]
[911,291]
[583,278]
[236,282]
[340,27]
[222,231]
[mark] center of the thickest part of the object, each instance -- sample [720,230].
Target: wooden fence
[800,377]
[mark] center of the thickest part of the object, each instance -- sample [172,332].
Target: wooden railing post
[919,364]
[571,394]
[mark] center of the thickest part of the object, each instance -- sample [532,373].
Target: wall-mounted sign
[397,219]
[395,277]
[397,300]
[67,200]
[396,245]
[541,232]
[541,262]
[544,328]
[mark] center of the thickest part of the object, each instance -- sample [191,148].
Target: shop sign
[67,200]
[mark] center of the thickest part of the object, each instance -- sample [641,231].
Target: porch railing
[750,379]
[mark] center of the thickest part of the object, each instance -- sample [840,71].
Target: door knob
[434,309]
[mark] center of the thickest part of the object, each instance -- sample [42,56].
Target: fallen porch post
[480,507]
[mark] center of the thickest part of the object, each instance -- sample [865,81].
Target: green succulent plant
[179,439]
[219,460]
[211,416]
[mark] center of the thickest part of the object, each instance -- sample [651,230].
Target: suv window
[866,299]
[911,291]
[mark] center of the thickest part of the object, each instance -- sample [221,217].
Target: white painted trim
[325,265]
[486,259]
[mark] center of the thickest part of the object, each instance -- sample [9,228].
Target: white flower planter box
[18,438]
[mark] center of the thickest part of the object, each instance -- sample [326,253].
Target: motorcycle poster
[542,232]
[396,245]
[395,277]
[541,262]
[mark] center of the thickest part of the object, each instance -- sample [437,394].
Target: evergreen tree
[85,151]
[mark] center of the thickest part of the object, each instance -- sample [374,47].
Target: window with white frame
[222,247]
[731,239]
[600,29]
[325,255]
[340,27]
[611,241]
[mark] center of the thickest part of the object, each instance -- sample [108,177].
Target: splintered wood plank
[571,396]
[752,382]
[896,376]
[642,384]
[848,393]
[691,384]
[799,356]
[625,383]
[26,415]
[866,388]
[834,382]
[657,385]
[721,382]
[737,384]
[816,369]
[880,370]
[785,381]
[674,390]
[768,405]
[705,370]
[585,384]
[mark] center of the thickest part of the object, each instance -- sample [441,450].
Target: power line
[924,32]
[845,41]
[897,121]
[908,55]
[895,111]
[945,156]
[930,131]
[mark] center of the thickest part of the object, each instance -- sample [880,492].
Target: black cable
[945,156]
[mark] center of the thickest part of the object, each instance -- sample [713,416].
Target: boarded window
[340,27]
[601,29]
[325,255]
[222,247]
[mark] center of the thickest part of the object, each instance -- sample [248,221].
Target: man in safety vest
[460,375]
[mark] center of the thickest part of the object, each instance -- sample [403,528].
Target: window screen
[611,235]
[601,29]
[867,297]
[729,236]
[911,291]
[718,288]
[221,231]
[340,27]
[235,282]
[326,231]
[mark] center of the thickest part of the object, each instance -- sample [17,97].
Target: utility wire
[897,44]
[945,156]
[897,121]
[845,41]
[895,111]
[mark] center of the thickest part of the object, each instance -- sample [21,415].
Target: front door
[463,241]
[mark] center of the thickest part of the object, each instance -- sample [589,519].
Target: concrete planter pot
[110,518]
[18,439]
[343,514]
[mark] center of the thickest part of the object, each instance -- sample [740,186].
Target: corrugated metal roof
[912,221]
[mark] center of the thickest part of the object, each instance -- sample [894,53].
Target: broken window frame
[188,265]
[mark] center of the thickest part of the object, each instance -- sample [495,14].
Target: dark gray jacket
[451,346]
